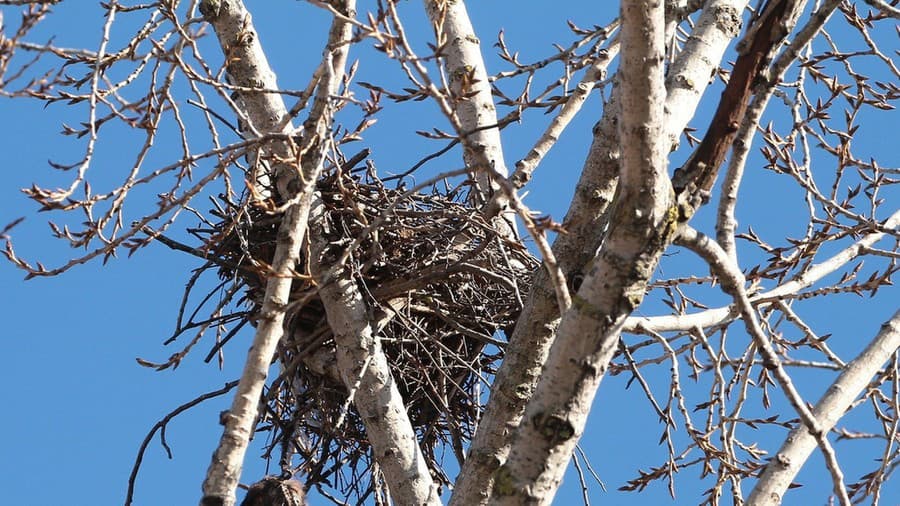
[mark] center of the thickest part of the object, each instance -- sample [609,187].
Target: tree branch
[798,445]
[248,66]
[526,166]
[643,224]
[364,369]
[884,7]
[693,182]
[726,224]
[472,100]
[733,284]
[585,224]
[722,315]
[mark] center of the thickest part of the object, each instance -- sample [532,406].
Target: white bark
[585,223]
[526,166]
[261,113]
[267,114]
[634,128]
[225,470]
[695,67]
[643,224]
[722,315]
[474,104]
[799,444]
[536,327]
[364,369]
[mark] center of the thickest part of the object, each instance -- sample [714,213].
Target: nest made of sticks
[452,287]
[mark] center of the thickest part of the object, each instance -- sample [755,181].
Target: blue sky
[77,404]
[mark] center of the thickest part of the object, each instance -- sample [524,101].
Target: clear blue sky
[76,404]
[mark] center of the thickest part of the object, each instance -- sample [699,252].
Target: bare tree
[392,301]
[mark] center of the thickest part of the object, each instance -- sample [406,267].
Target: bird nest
[442,286]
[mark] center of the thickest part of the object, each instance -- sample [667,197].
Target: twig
[733,284]
[160,425]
